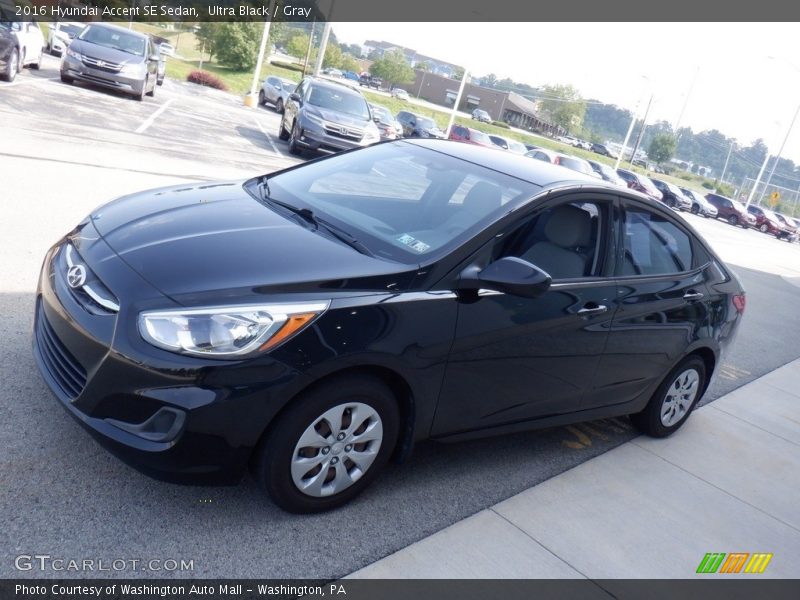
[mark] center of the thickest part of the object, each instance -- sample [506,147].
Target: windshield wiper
[308,215]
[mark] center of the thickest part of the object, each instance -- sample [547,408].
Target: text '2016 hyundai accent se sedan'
[315,322]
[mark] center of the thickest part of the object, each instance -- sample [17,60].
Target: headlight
[73,54]
[312,118]
[228,331]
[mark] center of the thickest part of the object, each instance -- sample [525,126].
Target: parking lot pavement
[66,149]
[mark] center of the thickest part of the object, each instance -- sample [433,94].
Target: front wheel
[38,64]
[12,66]
[764,228]
[733,220]
[283,135]
[329,445]
[294,148]
[262,99]
[279,106]
[674,399]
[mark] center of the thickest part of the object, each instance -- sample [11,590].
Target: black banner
[358,589]
[404,11]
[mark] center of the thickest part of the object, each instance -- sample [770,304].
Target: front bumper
[172,417]
[314,137]
[76,69]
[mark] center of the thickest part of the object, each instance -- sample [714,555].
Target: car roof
[516,165]
[330,83]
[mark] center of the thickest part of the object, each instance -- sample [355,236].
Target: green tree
[563,105]
[422,66]
[393,69]
[236,44]
[661,148]
[349,64]
[458,73]
[297,46]
[206,35]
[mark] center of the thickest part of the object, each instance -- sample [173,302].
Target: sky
[746,75]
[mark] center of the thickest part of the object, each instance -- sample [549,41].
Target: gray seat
[567,235]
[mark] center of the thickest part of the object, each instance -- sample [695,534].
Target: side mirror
[295,96]
[155,58]
[509,275]
[376,119]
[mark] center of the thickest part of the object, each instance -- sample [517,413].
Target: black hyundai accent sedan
[315,322]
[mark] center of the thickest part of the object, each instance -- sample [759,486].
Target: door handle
[692,295]
[587,311]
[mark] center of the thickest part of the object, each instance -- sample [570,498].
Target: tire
[330,459]
[282,133]
[12,66]
[681,390]
[695,209]
[733,220]
[293,147]
[139,96]
[152,92]
[66,79]
[262,99]
[279,106]
[764,228]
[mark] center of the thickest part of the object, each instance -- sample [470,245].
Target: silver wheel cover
[680,396]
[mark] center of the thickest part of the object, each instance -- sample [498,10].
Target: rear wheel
[12,66]
[674,399]
[329,445]
[293,147]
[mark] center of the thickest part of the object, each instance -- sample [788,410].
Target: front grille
[346,133]
[67,372]
[102,65]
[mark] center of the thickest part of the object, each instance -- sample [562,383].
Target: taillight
[739,302]
[557,161]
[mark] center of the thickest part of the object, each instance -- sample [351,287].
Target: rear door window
[653,244]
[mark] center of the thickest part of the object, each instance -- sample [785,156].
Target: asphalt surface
[66,149]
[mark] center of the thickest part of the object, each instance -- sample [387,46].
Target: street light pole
[758,180]
[260,59]
[456,104]
[630,129]
[780,151]
[641,131]
[323,45]
[725,168]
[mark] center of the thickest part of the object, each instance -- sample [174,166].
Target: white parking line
[26,80]
[269,139]
[149,121]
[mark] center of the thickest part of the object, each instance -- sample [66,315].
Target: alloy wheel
[336,449]
[680,396]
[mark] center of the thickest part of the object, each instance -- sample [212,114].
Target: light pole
[641,131]
[630,128]
[456,104]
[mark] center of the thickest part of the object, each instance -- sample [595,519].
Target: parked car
[731,210]
[312,323]
[604,150]
[161,71]
[471,136]
[167,49]
[415,125]
[31,44]
[700,206]
[370,81]
[333,72]
[275,91]
[481,115]
[388,127]
[508,144]
[112,57]
[570,162]
[400,94]
[790,229]
[672,196]
[767,221]
[60,35]
[326,116]
[640,183]
[530,147]
[607,173]
[9,49]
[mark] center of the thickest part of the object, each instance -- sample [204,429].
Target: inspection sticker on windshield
[413,243]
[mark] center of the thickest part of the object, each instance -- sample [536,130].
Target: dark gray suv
[112,57]
[326,116]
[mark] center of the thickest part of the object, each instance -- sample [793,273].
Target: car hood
[196,241]
[104,52]
[339,118]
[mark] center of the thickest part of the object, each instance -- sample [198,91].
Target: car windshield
[479,136]
[575,164]
[401,201]
[113,38]
[70,30]
[426,123]
[339,101]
